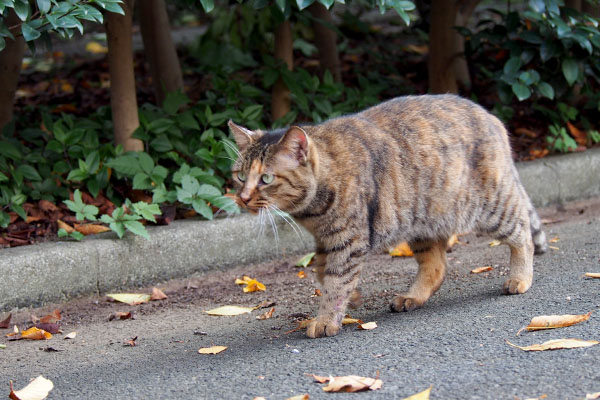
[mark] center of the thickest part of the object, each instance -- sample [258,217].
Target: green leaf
[141,181]
[19,210]
[3,178]
[22,9]
[162,144]
[29,33]
[302,4]
[208,192]
[186,120]
[208,5]
[118,228]
[137,228]
[512,66]
[126,164]
[93,187]
[174,101]
[570,70]
[77,175]
[521,91]
[252,112]
[305,260]
[4,219]
[202,208]
[146,211]
[43,5]
[281,5]
[146,162]
[160,125]
[29,172]
[546,90]
[62,233]
[10,150]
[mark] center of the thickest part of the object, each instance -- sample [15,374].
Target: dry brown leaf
[526,132]
[495,243]
[555,239]
[5,323]
[317,293]
[553,248]
[130,298]
[452,241]
[556,321]
[65,226]
[301,274]
[52,318]
[579,136]
[229,310]
[367,326]
[267,314]
[52,328]
[299,397]
[482,269]
[418,49]
[300,325]
[121,315]
[592,274]
[71,335]
[538,153]
[557,344]
[212,350]
[350,383]
[424,395]
[592,396]
[37,389]
[157,294]
[350,321]
[131,342]
[402,250]
[91,229]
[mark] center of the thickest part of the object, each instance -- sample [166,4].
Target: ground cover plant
[60,143]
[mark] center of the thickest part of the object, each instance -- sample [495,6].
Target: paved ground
[456,343]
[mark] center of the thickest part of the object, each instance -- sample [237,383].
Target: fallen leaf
[592,274]
[305,261]
[96,48]
[265,304]
[254,286]
[495,243]
[65,226]
[267,314]
[52,318]
[526,132]
[71,335]
[157,294]
[212,350]
[592,396]
[301,274]
[300,325]
[481,269]
[37,389]
[299,397]
[554,239]
[2,346]
[121,315]
[32,333]
[367,326]
[91,229]
[131,342]
[402,250]
[350,321]
[229,310]
[52,328]
[553,248]
[350,383]
[538,153]
[424,395]
[130,298]
[557,344]
[245,279]
[317,293]
[452,241]
[579,136]
[50,349]
[556,321]
[5,323]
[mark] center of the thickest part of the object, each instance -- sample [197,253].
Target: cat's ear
[243,137]
[293,146]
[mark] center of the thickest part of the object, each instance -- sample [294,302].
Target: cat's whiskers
[273,226]
[289,220]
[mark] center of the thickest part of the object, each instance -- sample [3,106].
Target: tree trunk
[593,10]
[123,100]
[442,76]
[159,48]
[326,41]
[280,101]
[10,68]
[574,4]
[459,62]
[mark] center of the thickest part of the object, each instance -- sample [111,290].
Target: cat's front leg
[339,278]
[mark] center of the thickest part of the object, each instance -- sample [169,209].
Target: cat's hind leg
[431,256]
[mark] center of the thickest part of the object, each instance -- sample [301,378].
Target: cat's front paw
[516,286]
[320,328]
[402,303]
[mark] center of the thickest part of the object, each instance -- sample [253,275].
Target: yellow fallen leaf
[481,269]
[402,250]
[424,395]
[556,321]
[554,239]
[494,243]
[301,274]
[96,48]
[71,335]
[305,261]
[254,286]
[350,321]
[157,294]
[266,315]
[592,274]
[37,389]
[557,344]
[130,298]
[34,333]
[368,326]
[553,248]
[212,350]
[229,310]
[299,397]
[245,279]
[350,383]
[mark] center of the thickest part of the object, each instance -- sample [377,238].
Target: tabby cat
[416,169]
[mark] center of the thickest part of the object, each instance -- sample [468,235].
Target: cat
[415,168]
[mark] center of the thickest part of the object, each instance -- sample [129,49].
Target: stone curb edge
[56,271]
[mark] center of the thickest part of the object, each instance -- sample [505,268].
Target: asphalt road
[456,343]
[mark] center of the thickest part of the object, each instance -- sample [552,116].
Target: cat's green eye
[241,176]
[267,178]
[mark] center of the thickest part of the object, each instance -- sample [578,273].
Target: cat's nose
[245,197]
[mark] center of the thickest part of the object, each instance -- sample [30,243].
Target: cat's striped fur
[416,169]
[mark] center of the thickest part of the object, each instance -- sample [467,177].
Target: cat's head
[273,168]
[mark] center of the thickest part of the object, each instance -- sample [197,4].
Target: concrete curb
[55,271]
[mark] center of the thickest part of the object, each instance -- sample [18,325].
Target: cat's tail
[540,243]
